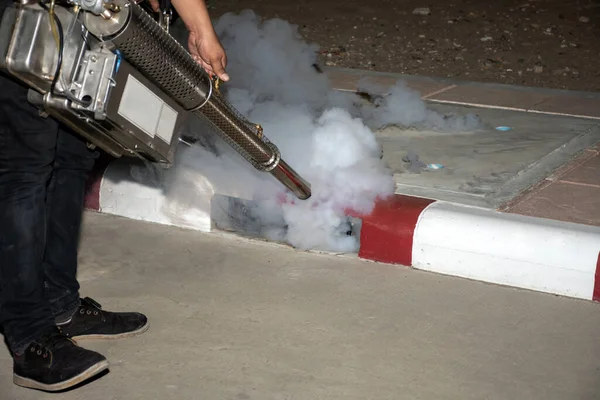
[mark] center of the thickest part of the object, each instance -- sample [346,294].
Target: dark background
[545,43]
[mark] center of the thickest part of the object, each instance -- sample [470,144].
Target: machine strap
[165,5]
[166,14]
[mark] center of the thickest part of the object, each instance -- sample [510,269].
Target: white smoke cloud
[323,134]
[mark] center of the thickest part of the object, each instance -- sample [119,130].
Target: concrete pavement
[239,319]
[499,96]
[570,193]
[486,167]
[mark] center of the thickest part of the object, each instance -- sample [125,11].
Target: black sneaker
[54,362]
[91,322]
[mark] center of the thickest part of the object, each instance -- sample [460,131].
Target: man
[43,171]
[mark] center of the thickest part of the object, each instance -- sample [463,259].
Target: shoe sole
[56,387]
[114,337]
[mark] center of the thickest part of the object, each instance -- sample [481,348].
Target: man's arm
[194,14]
[203,43]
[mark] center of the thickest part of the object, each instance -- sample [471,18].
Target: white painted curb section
[144,200]
[508,249]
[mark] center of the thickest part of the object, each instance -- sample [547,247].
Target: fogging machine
[112,73]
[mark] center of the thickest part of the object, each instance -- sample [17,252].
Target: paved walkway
[485,95]
[235,319]
[568,194]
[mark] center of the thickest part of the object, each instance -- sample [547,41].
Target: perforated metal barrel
[158,56]
[144,44]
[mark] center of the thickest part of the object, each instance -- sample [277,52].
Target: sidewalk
[235,319]
[571,193]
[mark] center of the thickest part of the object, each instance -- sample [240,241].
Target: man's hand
[206,49]
[203,43]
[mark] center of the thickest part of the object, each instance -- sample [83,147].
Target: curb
[113,190]
[490,246]
[447,238]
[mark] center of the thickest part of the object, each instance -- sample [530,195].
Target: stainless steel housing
[89,93]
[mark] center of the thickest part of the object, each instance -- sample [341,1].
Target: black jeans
[43,173]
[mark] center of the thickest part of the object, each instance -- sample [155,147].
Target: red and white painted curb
[508,249]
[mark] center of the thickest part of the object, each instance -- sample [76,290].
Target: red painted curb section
[387,233]
[596,295]
[92,191]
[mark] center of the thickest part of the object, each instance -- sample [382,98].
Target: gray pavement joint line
[439,92]
[459,82]
[400,185]
[579,184]
[490,106]
[527,110]
[559,114]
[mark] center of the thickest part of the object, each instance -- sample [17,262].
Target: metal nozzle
[288,177]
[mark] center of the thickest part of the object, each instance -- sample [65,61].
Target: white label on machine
[140,106]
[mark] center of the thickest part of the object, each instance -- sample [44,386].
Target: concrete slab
[235,319]
[486,167]
[563,202]
[586,107]
[497,97]
[427,87]
[485,95]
